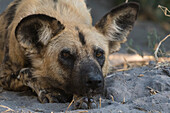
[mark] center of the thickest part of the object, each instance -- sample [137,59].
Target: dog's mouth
[87,91]
[84,91]
[92,93]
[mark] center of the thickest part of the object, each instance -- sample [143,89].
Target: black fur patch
[125,21]
[55,0]
[82,39]
[81,36]
[31,31]
[117,36]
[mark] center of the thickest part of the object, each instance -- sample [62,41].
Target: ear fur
[35,31]
[117,24]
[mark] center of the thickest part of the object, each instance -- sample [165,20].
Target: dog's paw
[25,73]
[85,103]
[45,97]
[51,97]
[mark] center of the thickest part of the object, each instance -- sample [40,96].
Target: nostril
[89,82]
[99,81]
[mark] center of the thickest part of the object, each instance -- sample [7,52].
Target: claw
[18,77]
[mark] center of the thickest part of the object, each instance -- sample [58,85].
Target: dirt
[139,90]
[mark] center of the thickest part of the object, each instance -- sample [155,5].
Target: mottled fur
[34,33]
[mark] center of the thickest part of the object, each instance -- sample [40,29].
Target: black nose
[94,81]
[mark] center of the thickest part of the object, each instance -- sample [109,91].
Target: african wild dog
[51,47]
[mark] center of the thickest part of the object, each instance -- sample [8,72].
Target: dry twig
[165,10]
[126,1]
[152,91]
[8,109]
[112,98]
[69,105]
[156,51]
[100,101]
[124,101]
[82,111]
[141,75]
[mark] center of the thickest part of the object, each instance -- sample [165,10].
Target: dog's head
[74,57]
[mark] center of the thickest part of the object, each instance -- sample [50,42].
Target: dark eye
[65,54]
[99,53]
[66,58]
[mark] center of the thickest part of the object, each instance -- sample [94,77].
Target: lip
[95,92]
[91,92]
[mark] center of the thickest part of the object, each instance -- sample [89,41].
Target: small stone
[77,104]
[93,105]
[84,106]
[91,100]
[86,100]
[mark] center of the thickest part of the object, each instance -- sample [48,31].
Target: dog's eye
[65,54]
[99,53]
[67,58]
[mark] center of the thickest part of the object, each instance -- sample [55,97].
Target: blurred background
[151,27]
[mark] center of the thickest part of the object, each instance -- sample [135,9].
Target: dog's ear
[117,24]
[35,31]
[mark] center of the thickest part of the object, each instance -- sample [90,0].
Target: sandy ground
[139,90]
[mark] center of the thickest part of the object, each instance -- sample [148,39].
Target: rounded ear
[35,31]
[117,24]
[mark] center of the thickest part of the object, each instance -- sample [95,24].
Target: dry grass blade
[152,91]
[8,109]
[123,69]
[82,111]
[141,109]
[165,10]
[141,75]
[69,105]
[156,51]
[124,101]
[100,101]
[126,64]
[126,1]
[112,98]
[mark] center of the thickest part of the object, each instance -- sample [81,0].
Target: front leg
[8,77]
[45,92]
